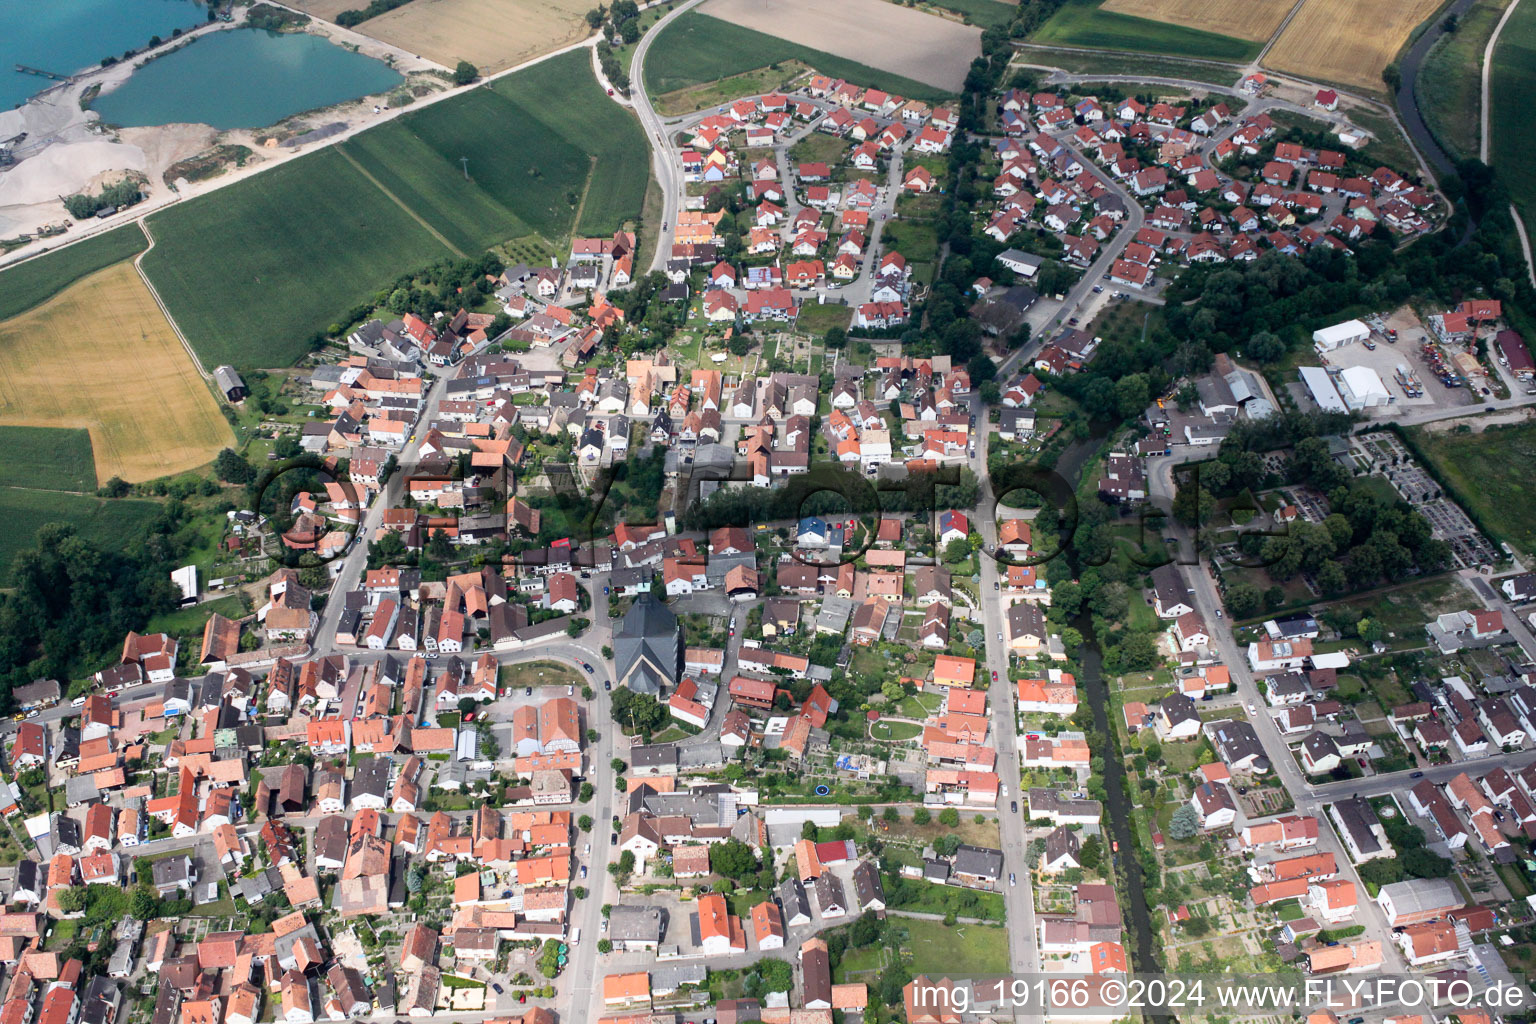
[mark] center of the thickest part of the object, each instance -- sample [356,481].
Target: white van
[576,936]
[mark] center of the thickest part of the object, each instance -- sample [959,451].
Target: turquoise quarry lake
[65,36]
[244,78]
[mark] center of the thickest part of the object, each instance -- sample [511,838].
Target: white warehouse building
[1321,388]
[1361,388]
[1346,333]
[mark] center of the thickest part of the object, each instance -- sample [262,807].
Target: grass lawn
[1388,147]
[1082,23]
[52,458]
[1478,466]
[697,48]
[860,964]
[541,673]
[817,318]
[1116,64]
[109,524]
[966,950]
[1402,611]
[308,241]
[1140,617]
[896,732]
[918,241]
[1513,150]
[190,620]
[819,147]
[27,284]
[919,705]
[1451,83]
[1518,884]
[62,934]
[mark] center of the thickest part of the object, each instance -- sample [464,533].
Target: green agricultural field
[1513,149]
[111,524]
[565,96]
[1451,80]
[251,272]
[51,458]
[434,188]
[698,48]
[985,13]
[28,284]
[1480,467]
[514,158]
[1082,23]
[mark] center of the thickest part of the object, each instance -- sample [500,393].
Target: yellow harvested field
[1347,41]
[904,41]
[1243,19]
[326,10]
[100,355]
[493,35]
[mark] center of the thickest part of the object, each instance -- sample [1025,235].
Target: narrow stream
[1118,826]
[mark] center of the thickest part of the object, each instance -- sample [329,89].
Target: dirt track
[906,42]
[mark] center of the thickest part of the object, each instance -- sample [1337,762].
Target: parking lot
[1386,359]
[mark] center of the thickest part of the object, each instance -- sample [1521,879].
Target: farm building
[230,383]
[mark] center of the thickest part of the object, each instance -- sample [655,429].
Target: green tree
[1184,823]
[733,859]
[808,830]
[232,467]
[72,900]
[835,338]
[584,823]
[1265,346]
[949,816]
[464,72]
[957,550]
[144,905]
[1242,600]
[920,816]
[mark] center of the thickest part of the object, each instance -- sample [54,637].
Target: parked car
[1013,805]
[527,691]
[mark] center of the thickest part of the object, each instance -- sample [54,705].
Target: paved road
[1047,316]
[669,173]
[355,563]
[1018,899]
[1308,800]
